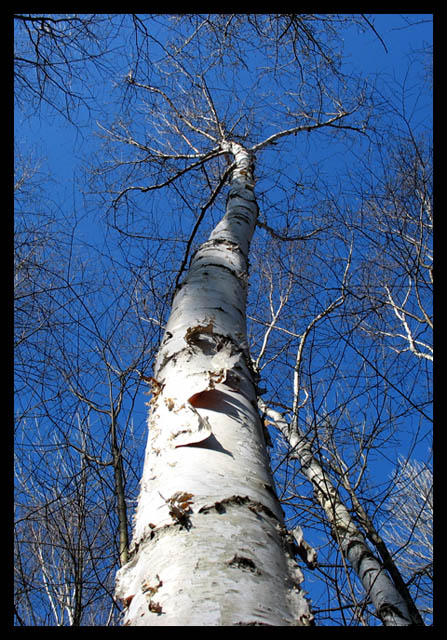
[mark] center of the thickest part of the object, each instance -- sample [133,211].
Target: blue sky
[62,147]
[60,143]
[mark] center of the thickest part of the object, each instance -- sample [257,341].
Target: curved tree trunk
[209,544]
[392,602]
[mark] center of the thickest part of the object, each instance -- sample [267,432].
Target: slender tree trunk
[387,560]
[391,602]
[121,505]
[209,544]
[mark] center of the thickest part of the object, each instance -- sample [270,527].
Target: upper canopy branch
[180,114]
[305,127]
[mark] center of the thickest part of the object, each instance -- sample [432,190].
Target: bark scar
[243,562]
[193,333]
[180,507]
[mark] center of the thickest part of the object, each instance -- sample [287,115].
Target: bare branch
[308,127]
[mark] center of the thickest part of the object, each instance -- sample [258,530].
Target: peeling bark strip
[209,538]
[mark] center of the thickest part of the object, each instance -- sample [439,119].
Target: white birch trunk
[209,543]
[389,603]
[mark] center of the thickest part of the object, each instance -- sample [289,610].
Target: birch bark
[209,543]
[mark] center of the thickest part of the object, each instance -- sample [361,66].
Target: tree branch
[294,130]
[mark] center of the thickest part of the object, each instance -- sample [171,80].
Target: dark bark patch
[244,563]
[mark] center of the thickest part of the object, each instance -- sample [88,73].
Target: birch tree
[379,575]
[401,198]
[209,543]
[207,514]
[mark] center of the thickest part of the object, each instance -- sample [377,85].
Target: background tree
[359,309]
[77,374]
[54,55]
[411,528]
